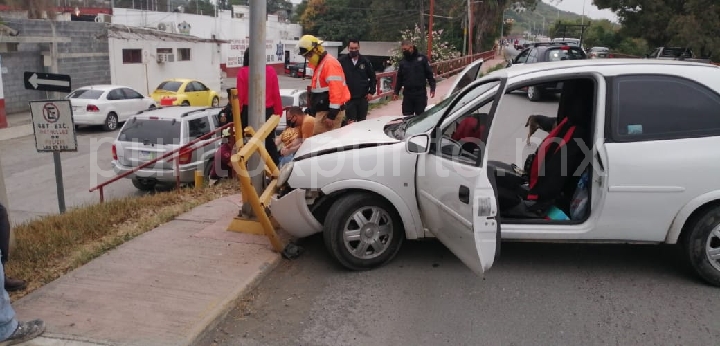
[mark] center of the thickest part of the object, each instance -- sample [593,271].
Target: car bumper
[187,172]
[89,118]
[293,215]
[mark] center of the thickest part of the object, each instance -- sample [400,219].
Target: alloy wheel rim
[368,232]
[712,248]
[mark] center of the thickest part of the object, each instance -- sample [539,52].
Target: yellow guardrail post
[262,221]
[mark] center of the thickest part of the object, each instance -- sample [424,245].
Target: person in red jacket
[273,101]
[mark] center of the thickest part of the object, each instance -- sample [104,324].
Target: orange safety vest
[329,77]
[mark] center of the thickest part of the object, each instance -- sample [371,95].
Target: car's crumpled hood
[355,135]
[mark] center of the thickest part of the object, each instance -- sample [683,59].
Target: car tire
[215,102]
[111,122]
[702,245]
[534,94]
[185,104]
[144,184]
[341,223]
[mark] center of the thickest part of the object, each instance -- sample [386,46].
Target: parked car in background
[185,92]
[298,70]
[544,52]
[599,53]
[153,133]
[106,105]
[290,98]
[675,53]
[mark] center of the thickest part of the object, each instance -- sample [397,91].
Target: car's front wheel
[363,231]
[702,245]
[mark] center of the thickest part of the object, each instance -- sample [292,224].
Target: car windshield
[287,101]
[169,86]
[151,131]
[570,53]
[87,94]
[426,121]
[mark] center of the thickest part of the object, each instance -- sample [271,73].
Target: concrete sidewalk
[441,89]
[166,287]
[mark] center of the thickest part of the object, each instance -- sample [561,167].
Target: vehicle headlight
[285,172]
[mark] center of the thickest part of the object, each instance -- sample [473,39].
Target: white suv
[152,133]
[632,159]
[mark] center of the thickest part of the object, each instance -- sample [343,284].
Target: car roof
[173,112]
[290,92]
[592,64]
[182,80]
[103,87]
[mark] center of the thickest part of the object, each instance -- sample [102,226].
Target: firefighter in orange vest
[328,88]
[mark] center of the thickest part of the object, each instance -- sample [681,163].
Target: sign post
[53,122]
[54,129]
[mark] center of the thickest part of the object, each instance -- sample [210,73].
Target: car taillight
[114,152]
[92,108]
[185,157]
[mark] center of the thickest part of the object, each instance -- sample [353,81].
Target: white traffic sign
[53,125]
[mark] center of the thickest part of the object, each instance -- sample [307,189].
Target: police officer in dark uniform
[360,79]
[412,73]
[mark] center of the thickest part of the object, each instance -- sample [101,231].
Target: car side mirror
[418,144]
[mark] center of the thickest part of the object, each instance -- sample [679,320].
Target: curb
[223,308]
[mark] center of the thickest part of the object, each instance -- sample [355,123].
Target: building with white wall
[142,58]
[231,26]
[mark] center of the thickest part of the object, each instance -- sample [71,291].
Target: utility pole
[470,27]
[256,101]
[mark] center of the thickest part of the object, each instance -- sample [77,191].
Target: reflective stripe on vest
[317,73]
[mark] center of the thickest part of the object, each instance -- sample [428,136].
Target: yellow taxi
[185,92]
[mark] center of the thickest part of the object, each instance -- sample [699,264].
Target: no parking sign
[53,126]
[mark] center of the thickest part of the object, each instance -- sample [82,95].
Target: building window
[132,56]
[184,54]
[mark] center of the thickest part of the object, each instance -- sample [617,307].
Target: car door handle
[464,194]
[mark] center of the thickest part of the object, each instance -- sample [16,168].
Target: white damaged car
[617,167]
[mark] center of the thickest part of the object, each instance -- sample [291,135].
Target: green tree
[693,23]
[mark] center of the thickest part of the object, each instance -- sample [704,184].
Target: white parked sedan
[632,158]
[107,105]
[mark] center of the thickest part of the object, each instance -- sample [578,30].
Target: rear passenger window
[198,127]
[570,53]
[151,131]
[663,107]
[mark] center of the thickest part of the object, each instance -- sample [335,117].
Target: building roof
[138,33]
[375,48]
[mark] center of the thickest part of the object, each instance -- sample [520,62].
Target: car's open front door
[456,194]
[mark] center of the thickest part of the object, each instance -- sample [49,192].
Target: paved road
[535,294]
[30,178]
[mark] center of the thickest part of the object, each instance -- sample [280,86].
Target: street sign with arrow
[47,82]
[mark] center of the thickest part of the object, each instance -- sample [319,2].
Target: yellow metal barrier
[262,223]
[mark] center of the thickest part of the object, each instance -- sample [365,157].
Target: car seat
[553,175]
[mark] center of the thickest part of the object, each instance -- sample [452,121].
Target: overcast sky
[577,6]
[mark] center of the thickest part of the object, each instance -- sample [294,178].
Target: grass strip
[50,246]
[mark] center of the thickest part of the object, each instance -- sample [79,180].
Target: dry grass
[51,246]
